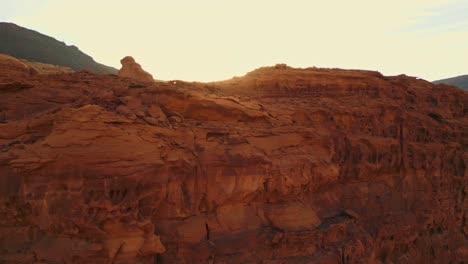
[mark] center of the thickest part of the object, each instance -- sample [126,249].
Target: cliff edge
[282,165]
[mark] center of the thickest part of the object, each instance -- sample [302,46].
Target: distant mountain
[30,45]
[459,81]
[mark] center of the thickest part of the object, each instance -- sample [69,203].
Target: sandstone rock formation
[44,68]
[131,69]
[12,67]
[280,166]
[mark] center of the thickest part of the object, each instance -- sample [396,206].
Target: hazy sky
[213,39]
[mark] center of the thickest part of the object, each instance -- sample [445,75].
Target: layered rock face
[280,166]
[131,69]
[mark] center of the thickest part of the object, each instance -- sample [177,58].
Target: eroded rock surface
[131,69]
[280,166]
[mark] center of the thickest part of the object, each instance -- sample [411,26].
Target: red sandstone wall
[281,166]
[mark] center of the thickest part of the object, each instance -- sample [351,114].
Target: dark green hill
[27,44]
[459,81]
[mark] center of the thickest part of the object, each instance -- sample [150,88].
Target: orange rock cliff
[282,165]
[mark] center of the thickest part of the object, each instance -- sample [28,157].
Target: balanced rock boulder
[131,69]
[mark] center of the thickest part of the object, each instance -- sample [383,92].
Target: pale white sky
[208,40]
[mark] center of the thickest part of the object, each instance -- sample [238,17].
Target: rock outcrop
[12,67]
[131,69]
[280,166]
[44,68]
